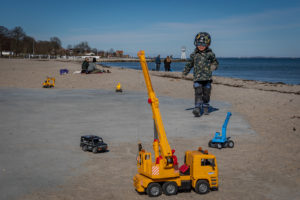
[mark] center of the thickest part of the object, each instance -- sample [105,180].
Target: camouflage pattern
[202,38]
[204,62]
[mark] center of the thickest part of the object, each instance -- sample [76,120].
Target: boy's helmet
[202,39]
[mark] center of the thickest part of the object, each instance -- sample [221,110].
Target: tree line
[20,44]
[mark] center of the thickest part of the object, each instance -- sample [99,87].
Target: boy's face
[201,48]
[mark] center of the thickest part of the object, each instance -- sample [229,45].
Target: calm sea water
[285,70]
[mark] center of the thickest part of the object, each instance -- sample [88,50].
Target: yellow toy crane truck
[49,82]
[199,170]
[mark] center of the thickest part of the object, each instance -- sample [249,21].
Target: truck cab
[202,169]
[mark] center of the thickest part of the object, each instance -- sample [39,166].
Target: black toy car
[92,143]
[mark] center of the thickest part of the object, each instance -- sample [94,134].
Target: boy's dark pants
[202,94]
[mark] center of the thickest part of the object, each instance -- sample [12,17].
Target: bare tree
[69,50]
[17,34]
[82,47]
[4,39]
[17,41]
[95,51]
[28,45]
[43,47]
[56,44]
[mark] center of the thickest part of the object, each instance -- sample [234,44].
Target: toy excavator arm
[165,149]
[226,122]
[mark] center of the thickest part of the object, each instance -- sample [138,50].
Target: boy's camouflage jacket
[203,62]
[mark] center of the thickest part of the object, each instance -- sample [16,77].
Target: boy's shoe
[197,112]
[205,110]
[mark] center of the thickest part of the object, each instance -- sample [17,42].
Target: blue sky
[238,28]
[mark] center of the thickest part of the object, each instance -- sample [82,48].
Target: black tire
[95,150]
[210,143]
[202,187]
[154,190]
[84,148]
[230,144]
[219,145]
[170,188]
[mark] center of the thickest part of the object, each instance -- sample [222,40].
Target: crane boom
[153,100]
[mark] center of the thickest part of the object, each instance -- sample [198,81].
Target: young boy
[204,62]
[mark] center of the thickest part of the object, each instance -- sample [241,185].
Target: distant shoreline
[185,60]
[117,59]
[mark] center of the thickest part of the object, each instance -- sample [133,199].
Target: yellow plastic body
[163,168]
[49,82]
[118,87]
[198,171]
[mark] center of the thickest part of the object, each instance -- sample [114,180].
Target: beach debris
[63,71]
[49,82]
[119,88]
[295,117]
[77,72]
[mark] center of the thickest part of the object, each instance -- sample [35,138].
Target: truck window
[207,162]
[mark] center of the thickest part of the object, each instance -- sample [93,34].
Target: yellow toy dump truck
[49,82]
[163,175]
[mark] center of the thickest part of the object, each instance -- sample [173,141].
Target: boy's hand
[213,67]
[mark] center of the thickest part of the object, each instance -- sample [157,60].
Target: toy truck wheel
[84,148]
[202,187]
[219,146]
[230,144]
[170,188]
[95,150]
[210,143]
[154,190]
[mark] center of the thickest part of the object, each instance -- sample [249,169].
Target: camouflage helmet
[202,39]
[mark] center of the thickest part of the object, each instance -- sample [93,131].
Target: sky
[238,28]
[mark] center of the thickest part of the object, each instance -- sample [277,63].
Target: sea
[273,70]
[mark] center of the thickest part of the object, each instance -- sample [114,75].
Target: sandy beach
[265,165]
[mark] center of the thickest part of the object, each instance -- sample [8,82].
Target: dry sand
[261,166]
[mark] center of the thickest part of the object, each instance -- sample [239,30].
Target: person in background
[167,63]
[85,65]
[157,62]
[92,69]
[204,62]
